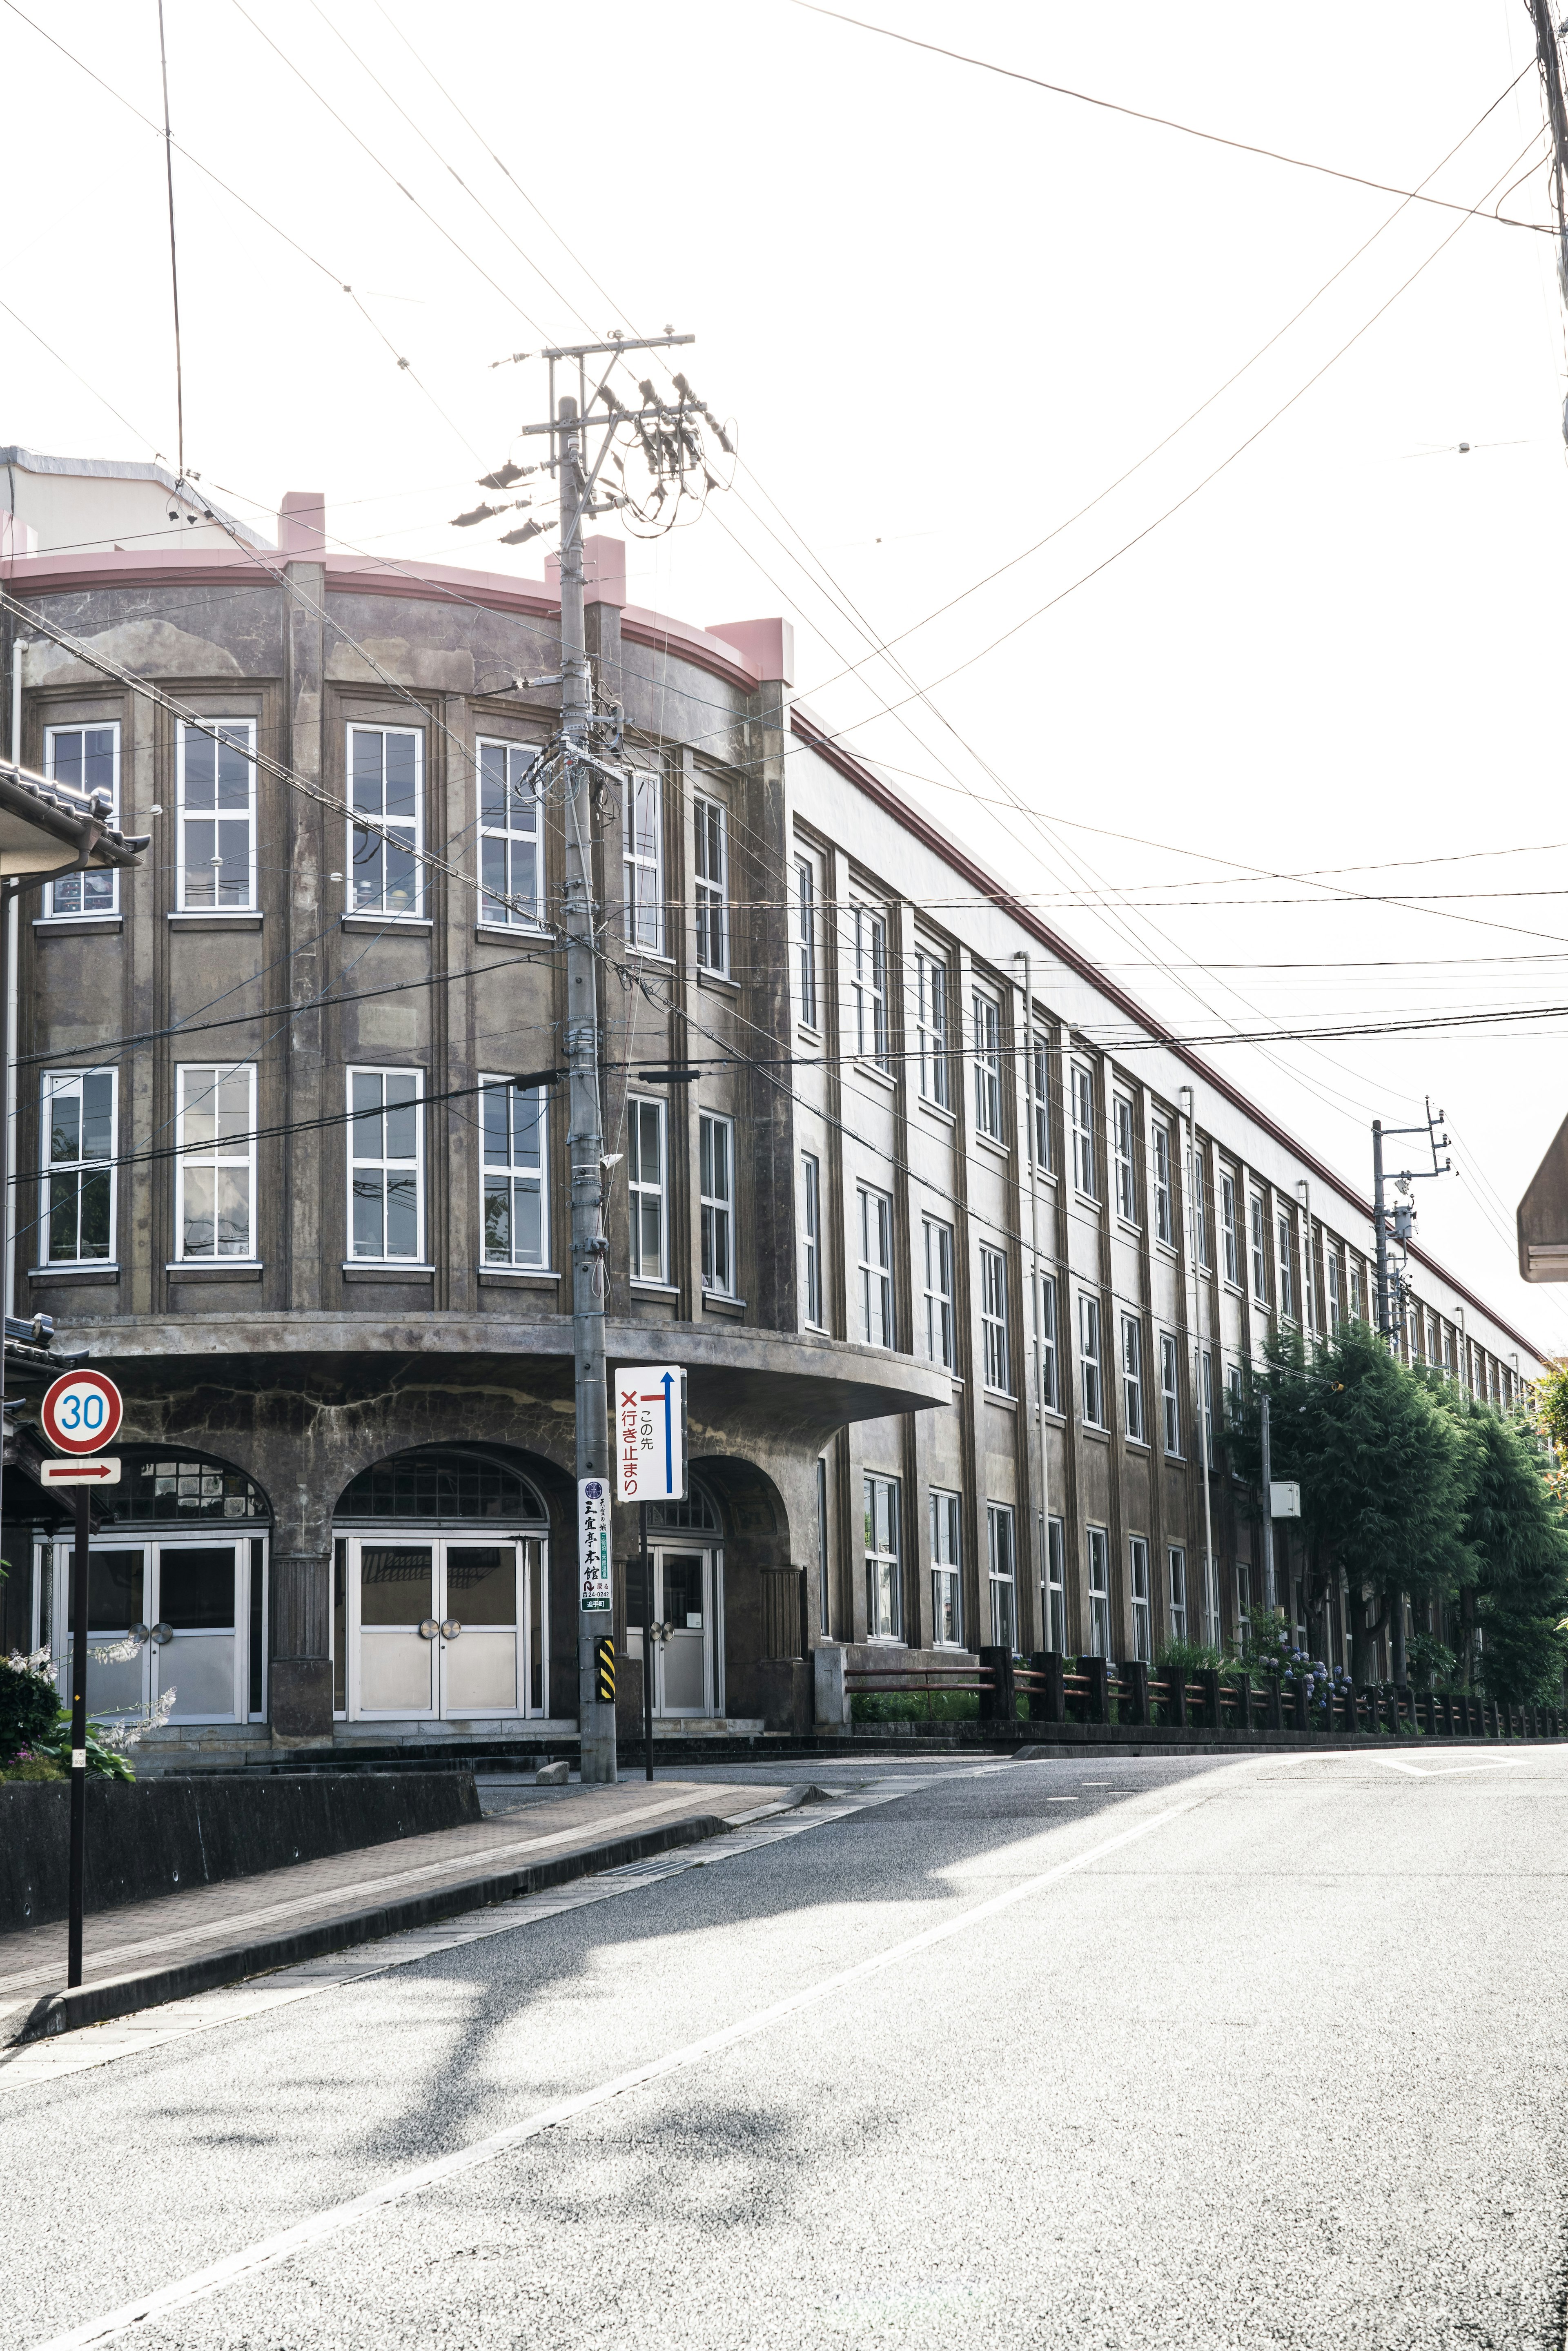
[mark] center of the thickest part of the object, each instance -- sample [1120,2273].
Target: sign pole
[646,1572]
[79,1738]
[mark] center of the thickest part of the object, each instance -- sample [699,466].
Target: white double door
[443,1626]
[686,1582]
[165,1620]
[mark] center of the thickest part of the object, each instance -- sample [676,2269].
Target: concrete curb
[95,2003]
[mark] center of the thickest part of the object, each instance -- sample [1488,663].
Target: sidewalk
[152,1951]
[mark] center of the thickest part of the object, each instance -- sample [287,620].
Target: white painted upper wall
[95,505]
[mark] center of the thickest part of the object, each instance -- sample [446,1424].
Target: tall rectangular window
[994,1335]
[710,844]
[1233,1398]
[1099,1592]
[884,1574]
[931,1027]
[386,786]
[511,835]
[214,1206]
[1083,1131]
[1176,1579]
[1357,1310]
[1049,1369]
[386,1164]
[806,942]
[642,859]
[1259,1252]
[645,1188]
[1089,1361]
[940,1335]
[1213,1627]
[1286,1262]
[78,1120]
[1056,1585]
[1126,1165]
[1243,1598]
[1170,1392]
[1200,1206]
[215,790]
[85,759]
[868,941]
[1228,1227]
[1133,1376]
[946,1604]
[1164,1222]
[1040,1104]
[875,1213]
[715,1161]
[1331,1285]
[811,1234]
[516,1193]
[1003,1574]
[987,1067]
[1138,1583]
[1207,1381]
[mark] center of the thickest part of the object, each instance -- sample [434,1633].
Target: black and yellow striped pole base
[604,1669]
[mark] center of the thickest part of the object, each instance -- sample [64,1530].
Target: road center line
[269,2250]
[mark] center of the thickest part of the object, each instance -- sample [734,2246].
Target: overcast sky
[945,311]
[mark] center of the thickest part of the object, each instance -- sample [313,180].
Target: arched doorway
[441,1590]
[176,1592]
[686,1540]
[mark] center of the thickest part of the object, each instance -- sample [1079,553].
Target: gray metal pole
[77,1888]
[1267,1503]
[1380,1226]
[585,1140]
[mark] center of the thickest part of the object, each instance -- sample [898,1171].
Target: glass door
[163,1623]
[397,1627]
[119,1648]
[481,1618]
[683,1671]
[447,1629]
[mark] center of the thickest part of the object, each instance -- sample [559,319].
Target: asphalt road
[1101,2053]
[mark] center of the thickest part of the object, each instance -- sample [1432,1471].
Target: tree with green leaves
[1516,1525]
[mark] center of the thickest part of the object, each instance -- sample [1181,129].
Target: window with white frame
[1164,1219]
[1213,1625]
[214,1208]
[1200,1206]
[811,1234]
[946,1603]
[1056,1585]
[1139,1585]
[995,1337]
[1003,1574]
[1091,1368]
[1133,1376]
[1207,1381]
[868,947]
[1050,1366]
[1357,1310]
[987,1018]
[85,759]
[710,857]
[1233,1396]
[1286,1262]
[1243,1599]
[511,835]
[1040,1104]
[1175,1584]
[805,943]
[1259,1252]
[642,859]
[1331,1284]
[78,1110]
[715,1170]
[1448,1352]
[883,1573]
[1099,1592]
[645,1188]
[513,1134]
[1083,1131]
[1127,1165]
[874,1217]
[1309,1271]
[386,1164]
[931,1027]
[1170,1392]
[214,788]
[940,1330]
[386,786]
[1228,1228]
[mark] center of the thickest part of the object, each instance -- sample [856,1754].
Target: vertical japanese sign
[593,1543]
[650,1433]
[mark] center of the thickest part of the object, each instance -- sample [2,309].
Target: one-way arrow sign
[101,1472]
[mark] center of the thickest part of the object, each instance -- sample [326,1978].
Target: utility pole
[1404,1213]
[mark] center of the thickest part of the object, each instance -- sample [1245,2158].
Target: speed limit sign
[81,1412]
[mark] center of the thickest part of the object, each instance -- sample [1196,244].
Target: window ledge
[388,923]
[936,1109]
[96,1271]
[1125,1224]
[1168,1248]
[1092,1428]
[369,1268]
[804,1028]
[719,981]
[508,935]
[1054,1413]
[1090,1199]
[239,1269]
[510,1275]
[999,1397]
[647,955]
[718,1302]
[990,1142]
[69,923]
[1138,1445]
[884,1077]
[654,1289]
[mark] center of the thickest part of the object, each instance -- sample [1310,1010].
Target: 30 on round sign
[81,1412]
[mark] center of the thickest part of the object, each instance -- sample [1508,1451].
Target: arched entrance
[440,1591]
[686,1540]
[176,1592]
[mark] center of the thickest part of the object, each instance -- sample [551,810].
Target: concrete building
[961,1291]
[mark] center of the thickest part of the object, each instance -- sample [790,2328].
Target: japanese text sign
[650,1433]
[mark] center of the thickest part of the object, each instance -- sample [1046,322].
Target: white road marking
[269,2250]
[1450,1771]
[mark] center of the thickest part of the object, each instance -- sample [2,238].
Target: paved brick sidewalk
[143,1937]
